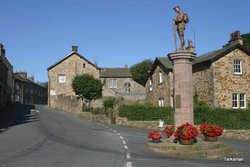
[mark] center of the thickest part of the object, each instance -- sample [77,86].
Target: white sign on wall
[53,92]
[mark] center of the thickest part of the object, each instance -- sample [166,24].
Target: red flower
[211,130]
[155,136]
[186,131]
[169,130]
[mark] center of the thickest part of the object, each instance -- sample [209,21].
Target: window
[242,100]
[161,102]
[237,66]
[127,87]
[17,86]
[17,99]
[61,78]
[160,77]
[150,85]
[84,65]
[239,100]
[112,83]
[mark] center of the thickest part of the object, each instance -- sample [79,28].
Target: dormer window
[237,66]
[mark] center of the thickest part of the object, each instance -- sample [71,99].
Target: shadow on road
[16,114]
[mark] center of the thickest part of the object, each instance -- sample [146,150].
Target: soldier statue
[179,25]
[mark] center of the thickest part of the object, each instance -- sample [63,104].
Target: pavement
[43,137]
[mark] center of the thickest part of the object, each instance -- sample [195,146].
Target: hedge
[146,112]
[226,118]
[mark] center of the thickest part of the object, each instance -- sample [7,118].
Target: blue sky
[38,33]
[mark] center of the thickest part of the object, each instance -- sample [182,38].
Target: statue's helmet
[177,7]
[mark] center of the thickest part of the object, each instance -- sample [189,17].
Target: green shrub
[146,112]
[109,103]
[226,118]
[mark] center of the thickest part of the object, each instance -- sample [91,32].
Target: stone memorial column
[183,86]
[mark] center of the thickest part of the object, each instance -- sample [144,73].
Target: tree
[246,40]
[87,87]
[140,71]
[43,84]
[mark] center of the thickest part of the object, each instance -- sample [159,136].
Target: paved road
[49,138]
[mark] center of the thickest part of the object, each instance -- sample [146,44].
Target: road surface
[44,137]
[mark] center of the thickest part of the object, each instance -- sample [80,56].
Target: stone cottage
[26,91]
[6,79]
[220,78]
[117,82]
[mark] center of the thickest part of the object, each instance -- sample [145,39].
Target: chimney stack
[235,37]
[31,78]
[2,50]
[22,74]
[74,48]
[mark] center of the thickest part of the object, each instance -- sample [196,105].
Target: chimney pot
[74,48]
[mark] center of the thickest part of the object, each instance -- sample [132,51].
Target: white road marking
[128,156]
[129,164]
[115,131]
[123,142]
[126,147]
[121,137]
[106,127]
[37,111]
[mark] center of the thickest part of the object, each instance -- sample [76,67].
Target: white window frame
[127,87]
[150,85]
[112,83]
[237,65]
[238,99]
[242,100]
[160,77]
[62,78]
[161,102]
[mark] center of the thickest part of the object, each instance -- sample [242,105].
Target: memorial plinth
[183,86]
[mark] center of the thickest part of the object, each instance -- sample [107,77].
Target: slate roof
[207,57]
[22,79]
[68,57]
[215,55]
[115,73]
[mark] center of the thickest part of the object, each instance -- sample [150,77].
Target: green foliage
[87,87]
[226,118]
[109,103]
[246,40]
[140,71]
[43,84]
[146,112]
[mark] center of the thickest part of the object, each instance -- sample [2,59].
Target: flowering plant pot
[211,138]
[210,131]
[186,132]
[155,136]
[186,141]
[169,130]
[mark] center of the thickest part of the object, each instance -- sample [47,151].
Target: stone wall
[203,82]
[160,90]
[227,82]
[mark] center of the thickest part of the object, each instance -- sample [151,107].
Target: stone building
[160,78]
[220,78]
[6,79]
[26,91]
[117,82]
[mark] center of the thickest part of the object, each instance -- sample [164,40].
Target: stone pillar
[183,86]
